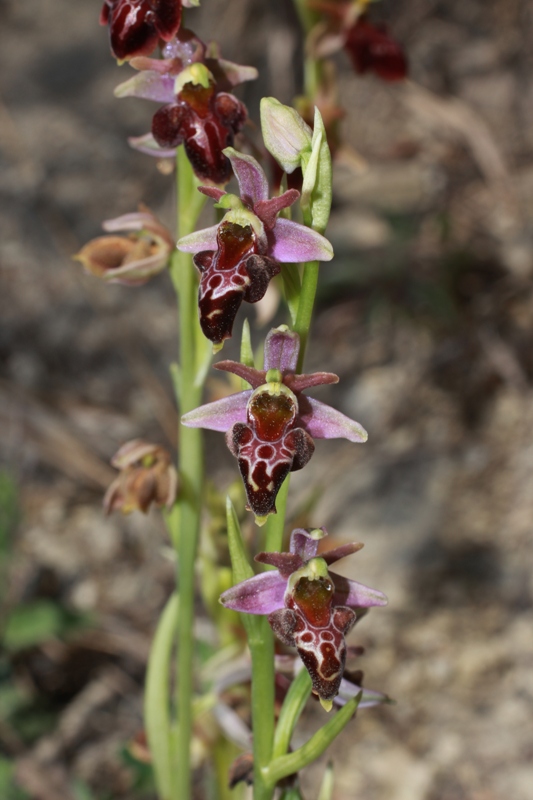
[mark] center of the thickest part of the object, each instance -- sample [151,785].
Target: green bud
[287,137]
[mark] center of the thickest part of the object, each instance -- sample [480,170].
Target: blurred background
[426,314]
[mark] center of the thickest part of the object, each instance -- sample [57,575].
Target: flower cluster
[308,607]
[194,83]
[270,427]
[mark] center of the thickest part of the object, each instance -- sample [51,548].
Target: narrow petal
[297,383]
[305,543]
[324,422]
[220,415]
[147,144]
[255,377]
[281,349]
[212,191]
[198,241]
[268,210]
[291,243]
[331,556]
[261,594]
[138,221]
[252,180]
[149,85]
[285,563]
[355,595]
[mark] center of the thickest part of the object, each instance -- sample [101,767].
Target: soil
[426,315]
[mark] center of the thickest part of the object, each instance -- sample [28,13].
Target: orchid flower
[136,26]
[308,607]
[270,427]
[238,257]
[199,112]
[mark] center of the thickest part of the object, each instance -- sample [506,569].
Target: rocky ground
[426,315]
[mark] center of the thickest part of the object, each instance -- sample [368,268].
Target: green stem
[305,308]
[190,458]
[262,650]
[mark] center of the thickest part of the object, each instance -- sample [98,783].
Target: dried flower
[308,607]
[131,260]
[270,427]
[147,476]
[199,112]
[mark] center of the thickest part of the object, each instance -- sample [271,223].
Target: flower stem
[190,458]
[305,308]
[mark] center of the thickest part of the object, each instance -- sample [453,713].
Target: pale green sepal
[326,787]
[292,286]
[293,762]
[285,133]
[322,176]
[292,707]
[156,705]
[196,74]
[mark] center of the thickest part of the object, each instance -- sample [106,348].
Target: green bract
[293,144]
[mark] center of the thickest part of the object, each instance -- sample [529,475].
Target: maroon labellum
[205,122]
[372,49]
[229,275]
[136,26]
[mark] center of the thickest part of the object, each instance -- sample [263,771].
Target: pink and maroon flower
[308,607]
[238,257]
[136,26]
[270,428]
[199,111]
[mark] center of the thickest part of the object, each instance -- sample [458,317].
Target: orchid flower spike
[308,607]
[270,428]
[238,257]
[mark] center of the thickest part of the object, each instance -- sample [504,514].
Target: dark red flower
[205,121]
[372,49]
[136,26]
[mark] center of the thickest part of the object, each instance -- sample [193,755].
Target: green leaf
[34,623]
[247,353]
[175,374]
[293,762]
[156,700]
[239,558]
[292,287]
[240,565]
[292,707]
[326,787]
[317,185]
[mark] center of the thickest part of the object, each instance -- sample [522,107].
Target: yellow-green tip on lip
[260,521]
[217,347]
[327,705]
